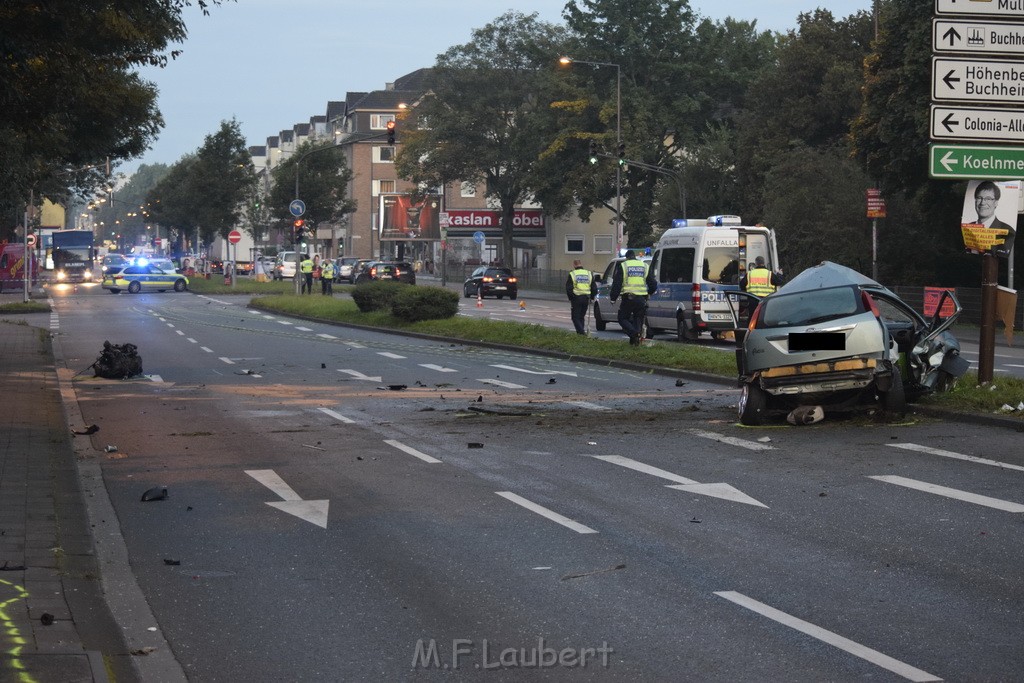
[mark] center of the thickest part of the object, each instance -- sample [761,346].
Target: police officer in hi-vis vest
[634,281]
[760,281]
[581,290]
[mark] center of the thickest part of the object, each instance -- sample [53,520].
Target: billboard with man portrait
[408,217]
[989,220]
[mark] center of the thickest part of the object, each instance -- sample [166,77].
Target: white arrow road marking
[957,494]
[833,639]
[499,383]
[439,368]
[337,416]
[732,441]
[545,512]
[724,491]
[535,372]
[327,336]
[411,451]
[588,405]
[956,456]
[358,375]
[388,354]
[313,511]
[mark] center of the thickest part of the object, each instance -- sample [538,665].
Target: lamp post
[618,141]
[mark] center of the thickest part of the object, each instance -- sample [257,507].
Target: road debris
[91,429]
[155,493]
[475,444]
[805,415]
[110,449]
[596,571]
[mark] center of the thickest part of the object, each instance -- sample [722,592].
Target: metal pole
[26,258]
[874,249]
[618,167]
[987,341]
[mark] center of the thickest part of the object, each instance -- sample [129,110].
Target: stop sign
[234,237]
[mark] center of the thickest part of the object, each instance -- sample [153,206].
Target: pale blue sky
[273,64]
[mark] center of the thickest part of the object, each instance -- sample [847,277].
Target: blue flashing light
[680,223]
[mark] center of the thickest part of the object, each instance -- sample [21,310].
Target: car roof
[829,274]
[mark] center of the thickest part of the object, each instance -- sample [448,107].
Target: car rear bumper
[814,378]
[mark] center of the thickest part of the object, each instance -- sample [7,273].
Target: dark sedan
[491,281]
[399,271]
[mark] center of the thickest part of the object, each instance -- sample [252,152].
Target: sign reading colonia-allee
[983,124]
[976,162]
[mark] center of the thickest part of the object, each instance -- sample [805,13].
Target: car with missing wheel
[496,281]
[837,339]
[143,278]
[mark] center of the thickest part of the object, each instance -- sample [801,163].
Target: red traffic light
[391,132]
[298,222]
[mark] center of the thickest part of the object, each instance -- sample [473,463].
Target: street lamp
[618,140]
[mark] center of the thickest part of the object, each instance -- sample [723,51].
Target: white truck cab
[696,264]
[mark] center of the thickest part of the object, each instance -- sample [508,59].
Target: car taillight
[512,279]
[869,303]
[398,272]
[755,317]
[695,296]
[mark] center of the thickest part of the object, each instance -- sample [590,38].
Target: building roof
[272,141]
[258,151]
[335,109]
[302,129]
[287,136]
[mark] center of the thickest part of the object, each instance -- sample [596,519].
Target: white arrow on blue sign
[478,237]
[297,207]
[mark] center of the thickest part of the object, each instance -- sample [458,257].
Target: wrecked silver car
[834,338]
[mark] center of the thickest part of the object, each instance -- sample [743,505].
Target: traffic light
[622,153]
[298,229]
[593,152]
[391,132]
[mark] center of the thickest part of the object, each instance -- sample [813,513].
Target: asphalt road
[350,505]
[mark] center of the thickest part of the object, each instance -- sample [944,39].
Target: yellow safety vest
[635,280]
[759,282]
[306,266]
[328,271]
[581,280]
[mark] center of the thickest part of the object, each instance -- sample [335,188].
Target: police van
[696,263]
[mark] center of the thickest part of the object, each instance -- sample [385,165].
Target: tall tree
[69,97]
[323,178]
[486,114]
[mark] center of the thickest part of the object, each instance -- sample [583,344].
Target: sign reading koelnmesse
[970,161]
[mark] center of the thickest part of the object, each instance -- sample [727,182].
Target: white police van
[696,264]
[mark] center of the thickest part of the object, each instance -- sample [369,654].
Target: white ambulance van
[696,265]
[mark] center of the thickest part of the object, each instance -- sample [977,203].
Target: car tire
[599,323]
[465,290]
[894,401]
[514,294]
[500,296]
[134,288]
[179,286]
[115,291]
[684,333]
[752,405]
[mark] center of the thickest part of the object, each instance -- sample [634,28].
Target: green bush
[377,295]
[413,304]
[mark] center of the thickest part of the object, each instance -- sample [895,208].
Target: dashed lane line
[956,456]
[411,451]
[956,494]
[731,440]
[337,416]
[546,513]
[499,383]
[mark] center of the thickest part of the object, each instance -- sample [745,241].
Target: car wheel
[465,290]
[684,333]
[514,294]
[752,405]
[179,286]
[500,296]
[945,382]
[894,401]
[115,291]
[134,288]
[599,322]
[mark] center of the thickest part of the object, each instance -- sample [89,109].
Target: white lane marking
[954,455]
[411,451]
[1013,365]
[304,329]
[535,372]
[645,468]
[439,368]
[358,375]
[388,354]
[312,511]
[834,639]
[192,340]
[179,332]
[227,360]
[337,416]
[284,322]
[545,512]
[268,317]
[731,440]
[154,378]
[957,494]
[208,350]
[499,383]
[163,320]
[587,405]
[327,336]
[355,345]
[171,325]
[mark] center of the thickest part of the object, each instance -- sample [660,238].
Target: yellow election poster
[989,219]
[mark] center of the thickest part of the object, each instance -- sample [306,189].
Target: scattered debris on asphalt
[172,563]
[118,361]
[596,571]
[475,444]
[805,415]
[110,449]
[46,619]
[155,493]
[91,429]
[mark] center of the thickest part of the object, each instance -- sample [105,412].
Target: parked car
[343,268]
[400,271]
[216,266]
[833,337]
[164,264]
[491,281]
[243,267]
[284,265]
[357,268]
[143,277]
[112,262]
[605,310]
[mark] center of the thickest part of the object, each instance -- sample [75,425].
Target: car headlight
[61,275]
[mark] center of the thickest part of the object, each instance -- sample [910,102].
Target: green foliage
[323,184]
[413,304]
[377,295]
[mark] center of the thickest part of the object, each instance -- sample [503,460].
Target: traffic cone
[479,300]
[522,305]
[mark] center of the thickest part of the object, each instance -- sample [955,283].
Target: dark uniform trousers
[578,309]
[631,314]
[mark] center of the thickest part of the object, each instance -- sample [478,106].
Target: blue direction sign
[478,237]
[297,207]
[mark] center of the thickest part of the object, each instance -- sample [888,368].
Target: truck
[73,254]
[12,266]
[697,263]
